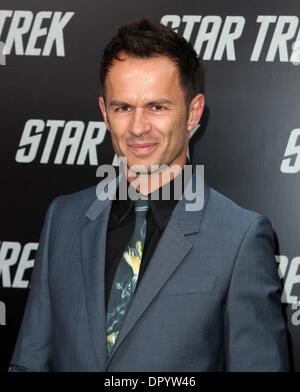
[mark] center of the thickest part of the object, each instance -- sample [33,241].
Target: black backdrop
[53,136]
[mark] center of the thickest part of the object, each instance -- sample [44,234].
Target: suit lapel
[93,247]
[170,251]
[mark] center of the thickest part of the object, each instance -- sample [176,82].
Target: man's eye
[158,107]
[122,109]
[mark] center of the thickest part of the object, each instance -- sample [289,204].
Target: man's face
[145,111]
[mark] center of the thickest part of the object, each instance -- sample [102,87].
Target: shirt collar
[161,209]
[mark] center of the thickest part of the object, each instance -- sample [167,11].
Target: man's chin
[142,167]
[139,168]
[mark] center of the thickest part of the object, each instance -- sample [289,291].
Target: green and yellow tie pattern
[126,276]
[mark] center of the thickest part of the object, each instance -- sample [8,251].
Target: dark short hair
[144,39]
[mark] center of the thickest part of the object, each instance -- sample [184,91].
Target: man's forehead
[133,95]
[143,79]
[132,74]
[155,62]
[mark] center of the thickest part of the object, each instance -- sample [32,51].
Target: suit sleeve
[33,347]
[255,331]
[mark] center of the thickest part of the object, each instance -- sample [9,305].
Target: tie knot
[141,207]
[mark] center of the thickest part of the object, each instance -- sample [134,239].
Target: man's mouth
[143,149]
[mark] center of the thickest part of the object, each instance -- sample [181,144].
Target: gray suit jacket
[209,299]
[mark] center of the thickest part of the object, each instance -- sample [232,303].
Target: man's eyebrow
[118,103]
[160,101]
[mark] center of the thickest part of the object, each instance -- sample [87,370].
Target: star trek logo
[15,261]
[58,141]
[23,34]
[291,162]
[2,313]
[2,55]
[289,272]
[215,38]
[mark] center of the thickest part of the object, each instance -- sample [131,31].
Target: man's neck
[149,182]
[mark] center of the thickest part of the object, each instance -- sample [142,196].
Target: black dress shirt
[121,226]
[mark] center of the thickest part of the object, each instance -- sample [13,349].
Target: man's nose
[140,122]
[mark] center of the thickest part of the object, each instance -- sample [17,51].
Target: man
[203,294]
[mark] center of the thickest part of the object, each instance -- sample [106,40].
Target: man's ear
[103,111]
[195,111]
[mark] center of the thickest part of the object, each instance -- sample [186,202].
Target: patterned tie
[125,279]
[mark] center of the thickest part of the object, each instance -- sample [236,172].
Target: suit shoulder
[75,204]
[230,213]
